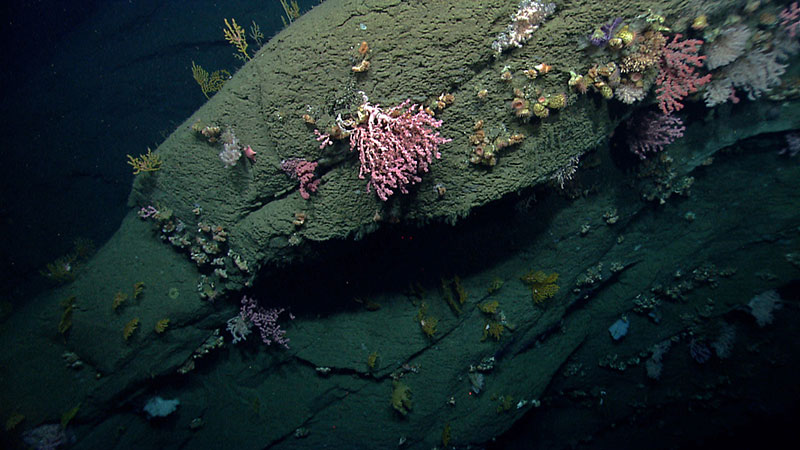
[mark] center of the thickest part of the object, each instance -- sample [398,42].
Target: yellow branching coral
[428,325]
[543,286]
[427,322]
[209,83]
[454,293]
[401,397]
[60,271]
[372,360]
[149,162]
[63,269]
[138,288]
[236,36]
[119,299]
[66,317]
[495,285]
[506,402]
[130,327]
[494,329]
[489,307]
[292,11]
[446,435]
[161,325]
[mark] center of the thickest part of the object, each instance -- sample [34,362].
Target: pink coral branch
[324,139]
[677,78]
[790,19]
[302,170]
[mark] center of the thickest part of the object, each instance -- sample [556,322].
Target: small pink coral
[249,153]
[303,171]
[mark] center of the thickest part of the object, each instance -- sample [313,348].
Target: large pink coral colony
[676,77]
[395,146]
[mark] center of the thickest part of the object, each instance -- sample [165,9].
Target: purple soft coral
[602,35]
[651,132]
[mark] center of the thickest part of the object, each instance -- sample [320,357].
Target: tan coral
[363,66]
[299,219]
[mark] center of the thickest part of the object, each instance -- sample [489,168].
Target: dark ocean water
[87,83]
[93,82]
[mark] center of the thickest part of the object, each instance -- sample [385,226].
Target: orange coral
[363,48]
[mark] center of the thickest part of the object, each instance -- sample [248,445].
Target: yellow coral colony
[450,287]
[149,162]
[372,359]
[494,329]
[427,322]
[401,397]
[209,83]
[495,285]
[119,299]
[66,317]
[489,307]
[292,11]
[60,271]
[138,288]
[130,327]
[543,286]
[235,36]
[161,325]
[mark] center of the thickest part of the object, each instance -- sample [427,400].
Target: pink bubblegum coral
[677,78]
[395,146]
[302,170]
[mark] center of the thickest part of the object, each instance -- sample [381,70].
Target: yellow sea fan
[543,292]
[66,317]
[148,162]
[372,359]
[119,299]
[428,325]
[489,307]
[138,288]
[130,328]
[543,286]
[161,325]
[209,83]
[494,329]
[401,397]
[236,36]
